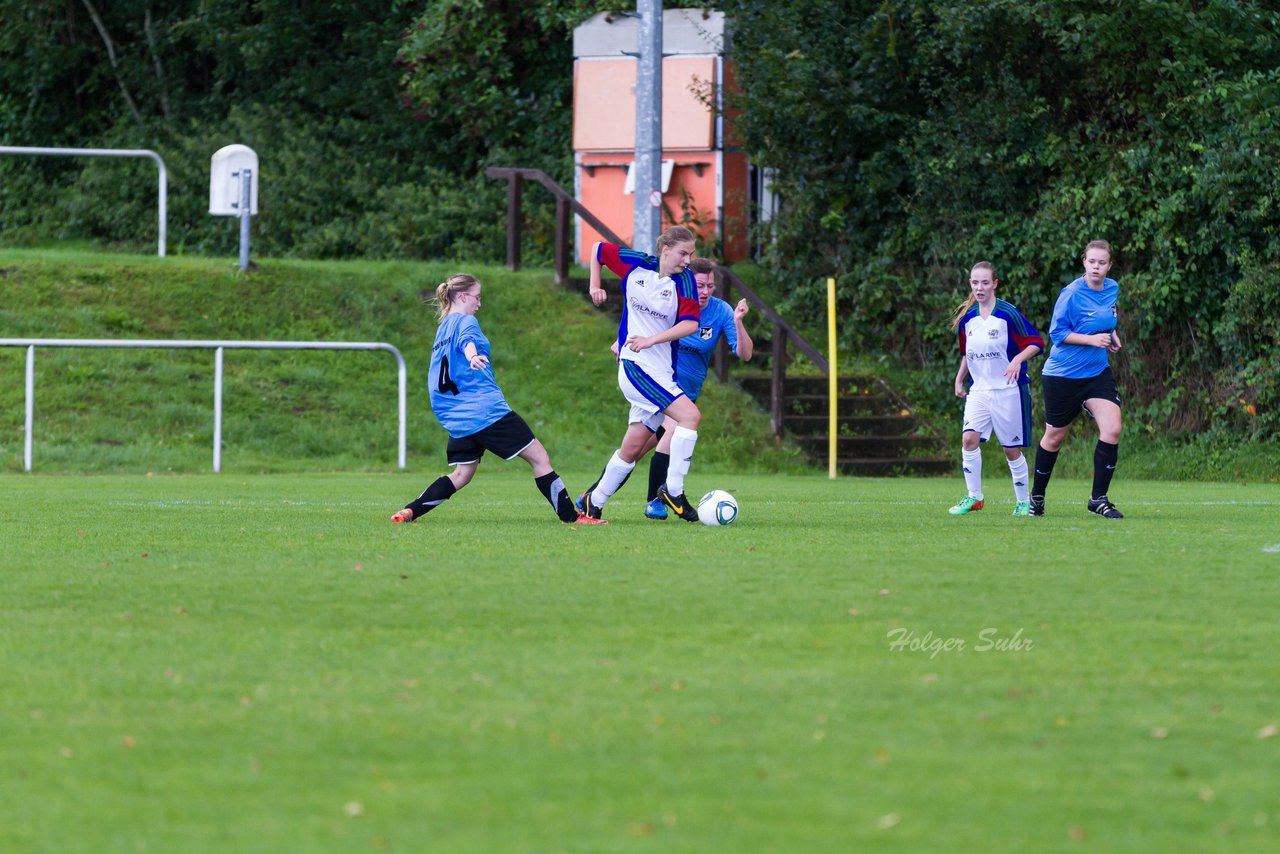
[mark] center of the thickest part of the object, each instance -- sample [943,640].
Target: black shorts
[506,437]
[1064,398]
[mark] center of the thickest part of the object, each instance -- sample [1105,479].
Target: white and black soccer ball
[717,507]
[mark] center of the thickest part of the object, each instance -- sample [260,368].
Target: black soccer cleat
[588,507]
[1037,506]
[1104,508]
[679,504]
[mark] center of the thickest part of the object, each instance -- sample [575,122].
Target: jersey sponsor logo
[706,333]
[638,306]
[976,356]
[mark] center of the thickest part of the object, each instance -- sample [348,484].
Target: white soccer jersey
[652,304]
[990,343]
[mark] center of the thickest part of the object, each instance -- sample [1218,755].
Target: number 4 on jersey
[446,383]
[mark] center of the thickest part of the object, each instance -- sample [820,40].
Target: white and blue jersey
[464,401]
[1081,309]
[695,350]
[990,343]
[651,304]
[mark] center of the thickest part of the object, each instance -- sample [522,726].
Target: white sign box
[225,178]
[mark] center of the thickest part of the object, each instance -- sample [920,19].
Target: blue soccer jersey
[464,400]
[695,350]
[1081,309]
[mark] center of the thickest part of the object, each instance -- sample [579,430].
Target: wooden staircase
[877,434]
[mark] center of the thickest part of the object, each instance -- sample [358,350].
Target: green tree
[917,138]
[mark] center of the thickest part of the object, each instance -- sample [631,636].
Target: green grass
[152,410]
[264,663]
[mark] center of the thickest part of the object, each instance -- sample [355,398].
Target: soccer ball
[717,507]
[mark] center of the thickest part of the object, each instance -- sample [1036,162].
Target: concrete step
[856,425]
[867,446]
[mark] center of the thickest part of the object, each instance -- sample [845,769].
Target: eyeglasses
[473,296]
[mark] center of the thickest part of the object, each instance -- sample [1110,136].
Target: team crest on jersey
[993,333]
[666,293]
[706,333]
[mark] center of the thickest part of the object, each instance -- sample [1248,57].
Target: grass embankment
[152,410]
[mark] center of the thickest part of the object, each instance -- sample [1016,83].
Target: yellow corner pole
[831,378]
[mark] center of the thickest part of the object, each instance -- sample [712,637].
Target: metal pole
[31,406]
[403,385]
[648,163]
[217,410]
[163,204]
[246,178]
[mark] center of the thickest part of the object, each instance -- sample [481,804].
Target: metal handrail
[111,152]
[218,347]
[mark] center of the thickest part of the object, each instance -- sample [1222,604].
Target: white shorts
[1007,411]
[648,395]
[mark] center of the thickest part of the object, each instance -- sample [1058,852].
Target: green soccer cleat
[966,505]
[1022,508]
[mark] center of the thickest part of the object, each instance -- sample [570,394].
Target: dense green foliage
[372,120]
[265,664]
[908,141]
[917,138]
[152,410]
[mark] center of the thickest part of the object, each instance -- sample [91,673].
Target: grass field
[263,663]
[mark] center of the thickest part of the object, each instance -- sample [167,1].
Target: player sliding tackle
[660,306]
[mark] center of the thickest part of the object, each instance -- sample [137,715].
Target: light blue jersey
[1081,309]
[464,401]
[696,349]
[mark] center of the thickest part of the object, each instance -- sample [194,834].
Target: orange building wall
[604,140]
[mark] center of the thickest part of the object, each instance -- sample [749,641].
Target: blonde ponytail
[448,290]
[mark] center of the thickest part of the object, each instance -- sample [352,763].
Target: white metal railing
[217,346]
[110,152]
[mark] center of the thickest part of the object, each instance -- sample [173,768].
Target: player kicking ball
[660,306]
[470,406]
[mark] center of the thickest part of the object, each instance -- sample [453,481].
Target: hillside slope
[152,410]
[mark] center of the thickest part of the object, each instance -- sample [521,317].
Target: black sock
[552,487]
[657,472]
[1044,470]
[440,491]
[1105,455]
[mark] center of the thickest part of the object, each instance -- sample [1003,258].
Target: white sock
[682,442]
[1018,468]
[615,472]
[973,472]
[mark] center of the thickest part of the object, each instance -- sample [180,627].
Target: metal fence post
[31,406]
[217,410]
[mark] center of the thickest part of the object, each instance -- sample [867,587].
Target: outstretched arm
[681,329]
